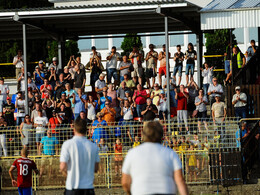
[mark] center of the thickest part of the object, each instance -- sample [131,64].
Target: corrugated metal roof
[124,4]
[217,5]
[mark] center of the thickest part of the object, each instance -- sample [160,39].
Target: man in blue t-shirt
[50,144]
[79,100]
[102,100]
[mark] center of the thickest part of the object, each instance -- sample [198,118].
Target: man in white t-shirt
[79,160]
[40,122]
[18,62]
[152,168]
[112,58]
[4,91]
[214,89]
[100,83]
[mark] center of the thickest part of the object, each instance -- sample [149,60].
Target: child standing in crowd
[118,147]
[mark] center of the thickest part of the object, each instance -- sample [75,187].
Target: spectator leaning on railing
[239,101]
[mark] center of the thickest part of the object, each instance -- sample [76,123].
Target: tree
[129,41]
[216,44]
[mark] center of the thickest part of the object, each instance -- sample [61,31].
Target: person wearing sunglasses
[214,89]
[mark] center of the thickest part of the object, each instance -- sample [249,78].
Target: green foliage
[216,44]
[129,41]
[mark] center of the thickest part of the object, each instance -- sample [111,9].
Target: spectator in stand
[60,86]
[38,77]
[155,95]
[193,93]
[178,58]
[32,85]
[118,147]
[52,77]
[31,99]
[20,105]
[136,59]
[41,67]
[94,55]
[54,122]
[69,94]
[21,79]
[63,100]
[8,110]
[151,65]
[139,98]
[214,89]
[18,62]
[207,74]
[200,102]
[4,91]
[129,82]
[90,107]
[97,131]
[172,91]
[83,116]
[48,105]
[128,97]
[242,134]
[79,101]
[219,113]
[109,113]
[190,56]
[149,111]
[79,79]
[49,145]
[112,93]
[71,65]
[251,50]
[121,92]
[227,60]
[239,101]
[238,62]
[127,112]
[125,67]
[112,58]
[40,122]
[182,113]
[46,89]
[100,84]
[3,146]
[162,106]
[81,66]
[67,75]
[26,131]
[37,99]
[35,112]
[162,59]
[102,100]
[54,64]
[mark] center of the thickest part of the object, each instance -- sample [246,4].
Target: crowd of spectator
[57,96]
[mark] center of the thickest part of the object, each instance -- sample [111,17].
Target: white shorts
[138,72]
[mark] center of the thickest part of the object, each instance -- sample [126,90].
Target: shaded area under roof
[71,22]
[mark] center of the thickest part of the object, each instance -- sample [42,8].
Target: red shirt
[182,101]
[139,99]
[46,93]
[53,122]
[24,168]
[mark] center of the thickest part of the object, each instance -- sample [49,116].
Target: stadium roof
[220,14]
[98,19]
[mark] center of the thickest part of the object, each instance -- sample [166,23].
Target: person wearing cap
[152,160]
[8,110]
[162,59]
[54,64]
[21,80]
[18,62]
[100,84]
[239,101]
[4,91]
[79,78]
[136,59]
[162,106]
[111,65]
[41,66]
[219,113]
[38,77]
[214,89]
[151,59]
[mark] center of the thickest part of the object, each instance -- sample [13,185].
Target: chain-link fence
[192,140]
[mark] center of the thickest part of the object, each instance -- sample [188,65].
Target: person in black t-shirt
[190,56]
[149,111]
[60,86]
[178,58]
[9,112]
[52,77]
[80,78]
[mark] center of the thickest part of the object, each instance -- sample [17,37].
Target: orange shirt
[109,117]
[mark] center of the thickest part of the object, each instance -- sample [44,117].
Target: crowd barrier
[193,149]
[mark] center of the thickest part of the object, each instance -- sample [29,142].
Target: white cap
[237,88]
[55,59]
[102,75]
[40,62]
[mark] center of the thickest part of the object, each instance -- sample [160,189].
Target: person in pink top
[112,93]
[139,99]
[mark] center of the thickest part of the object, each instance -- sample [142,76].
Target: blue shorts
[227,67]
[189,67]
[177,68]
[39,137]
[25,191]
[112,72]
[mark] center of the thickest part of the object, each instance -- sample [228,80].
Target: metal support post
[61,52]
[25,69]
[167,70]
[199,57]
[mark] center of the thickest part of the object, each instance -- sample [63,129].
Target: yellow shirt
[136,144]
[192,160]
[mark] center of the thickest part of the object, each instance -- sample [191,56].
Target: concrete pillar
[93,43]
[246,38]
[110,42]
